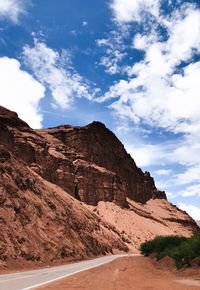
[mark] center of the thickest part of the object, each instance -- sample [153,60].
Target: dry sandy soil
[131,273]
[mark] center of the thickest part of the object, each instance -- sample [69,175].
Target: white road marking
[36,278]
[70,274]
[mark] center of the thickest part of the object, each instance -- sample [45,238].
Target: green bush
[159,244]
[181,249]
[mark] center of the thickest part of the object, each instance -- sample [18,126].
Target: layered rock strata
[64,193]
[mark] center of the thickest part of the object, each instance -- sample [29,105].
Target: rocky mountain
[94,150]
[72,192]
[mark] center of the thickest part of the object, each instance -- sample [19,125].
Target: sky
[133,65]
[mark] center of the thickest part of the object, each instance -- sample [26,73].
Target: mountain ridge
[97,148]
[72,192]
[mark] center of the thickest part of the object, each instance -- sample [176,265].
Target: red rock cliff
[40,169]
[88,162]
[97,144]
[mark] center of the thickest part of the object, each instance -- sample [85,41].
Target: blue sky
[133,65]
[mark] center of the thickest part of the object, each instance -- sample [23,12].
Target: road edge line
[49,281]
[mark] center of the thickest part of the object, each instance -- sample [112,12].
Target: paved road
[33,279]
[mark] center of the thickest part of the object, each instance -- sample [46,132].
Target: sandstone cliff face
[48,176]
[96,144]
[41,223]
[89,162]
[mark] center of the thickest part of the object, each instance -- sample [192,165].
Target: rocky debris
[139,223]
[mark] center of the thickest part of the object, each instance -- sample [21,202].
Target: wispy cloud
[192,210]
[129,11]
[192,174]
[114,49]
[191,191]
[55,71]
[171,94]
[148,154]
[160,90]
[163,172]
[12,9]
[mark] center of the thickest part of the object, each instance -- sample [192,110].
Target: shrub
[182,250]
[159,244]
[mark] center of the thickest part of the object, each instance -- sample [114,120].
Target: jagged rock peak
[97,124]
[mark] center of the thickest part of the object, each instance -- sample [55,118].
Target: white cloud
[192,174]
[84,23]
[183,152]
[129,10]
[162,90]
[184,29]
[172,98]
[171,94]
[147,154]
[192,210]
[163,172]
[193,190]
[20,92]
[55,71]
[111,61]
[12,9]
[170,195]
[143,42]
[114,51]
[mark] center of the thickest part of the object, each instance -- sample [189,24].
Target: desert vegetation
[182,250]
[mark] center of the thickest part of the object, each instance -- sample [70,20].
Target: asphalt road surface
[33,279]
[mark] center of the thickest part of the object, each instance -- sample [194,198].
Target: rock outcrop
[42,224]
[89,162]
[96,144]
[54,184]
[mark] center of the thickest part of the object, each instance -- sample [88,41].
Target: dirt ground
[131,273]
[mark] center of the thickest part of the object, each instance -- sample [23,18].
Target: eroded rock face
[89,162]
[48,176]
[41,223]
[94,184]
[98,145]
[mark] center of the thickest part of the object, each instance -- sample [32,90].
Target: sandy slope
[134,273]
[141,222]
